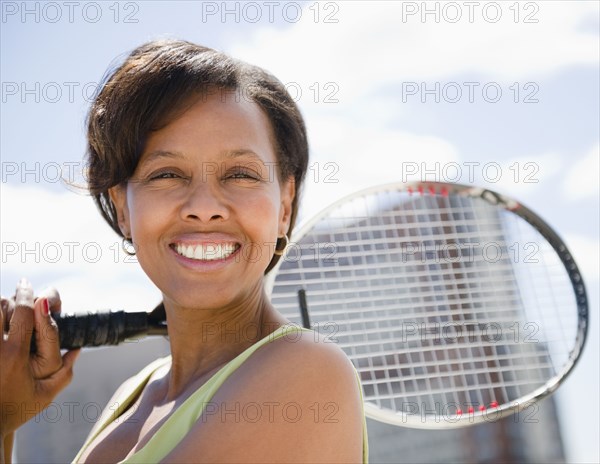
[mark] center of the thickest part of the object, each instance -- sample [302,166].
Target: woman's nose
[205,202]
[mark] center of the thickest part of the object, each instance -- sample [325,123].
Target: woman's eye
[164,175]
[243,175]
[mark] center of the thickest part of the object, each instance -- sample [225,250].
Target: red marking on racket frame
[420,188]
[470,410]
[482,408]
[410,190]
[444,192]
[431,190]
[459,412]
[494,404]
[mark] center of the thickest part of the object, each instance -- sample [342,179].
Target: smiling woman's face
[205,204]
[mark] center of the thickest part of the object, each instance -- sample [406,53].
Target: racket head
[443,333]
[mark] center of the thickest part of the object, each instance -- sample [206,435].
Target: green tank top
[183,418]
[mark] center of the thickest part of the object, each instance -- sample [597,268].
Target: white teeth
[207,252]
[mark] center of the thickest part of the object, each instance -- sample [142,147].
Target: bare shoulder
[301,367]
[299,393]
[304,354]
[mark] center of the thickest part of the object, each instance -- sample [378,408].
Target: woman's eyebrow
[227,155]
[156,154]
[242,152]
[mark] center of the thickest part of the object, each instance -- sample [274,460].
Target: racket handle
[103,328]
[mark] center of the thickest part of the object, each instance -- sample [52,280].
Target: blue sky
[362,72]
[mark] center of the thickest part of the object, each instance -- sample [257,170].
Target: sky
[503,95]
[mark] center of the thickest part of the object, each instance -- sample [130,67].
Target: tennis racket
[455,304]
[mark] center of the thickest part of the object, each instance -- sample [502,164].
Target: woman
[197,161]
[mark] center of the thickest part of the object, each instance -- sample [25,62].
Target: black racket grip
[98,329]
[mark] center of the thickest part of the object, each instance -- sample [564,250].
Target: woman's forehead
[222,123]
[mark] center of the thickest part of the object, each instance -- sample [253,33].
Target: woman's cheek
[147,216]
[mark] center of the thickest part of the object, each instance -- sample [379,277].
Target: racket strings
[434,325]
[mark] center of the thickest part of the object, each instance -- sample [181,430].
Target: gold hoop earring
[279,251]
[127,246]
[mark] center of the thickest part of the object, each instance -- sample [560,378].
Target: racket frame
[502,410]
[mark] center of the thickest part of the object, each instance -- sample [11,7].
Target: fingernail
[24,293]
[46,307]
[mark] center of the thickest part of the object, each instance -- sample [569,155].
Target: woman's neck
[203,340]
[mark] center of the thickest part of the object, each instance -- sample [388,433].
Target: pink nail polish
[46,307]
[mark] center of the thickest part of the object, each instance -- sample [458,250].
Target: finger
[2,326]
[21,322]
[69,359]
[4,312]
[8,308]
[52,385]
[47,358]
[53,298]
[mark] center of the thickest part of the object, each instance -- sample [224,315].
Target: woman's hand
[30,381]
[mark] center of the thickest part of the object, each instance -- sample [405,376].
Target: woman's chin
[210,297]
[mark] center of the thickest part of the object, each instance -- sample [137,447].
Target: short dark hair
[155,83]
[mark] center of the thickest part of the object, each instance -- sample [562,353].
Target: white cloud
[583,178]
[348,157]
[523,175]
[379,43]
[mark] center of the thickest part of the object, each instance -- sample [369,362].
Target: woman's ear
[288,192]
[118,196]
